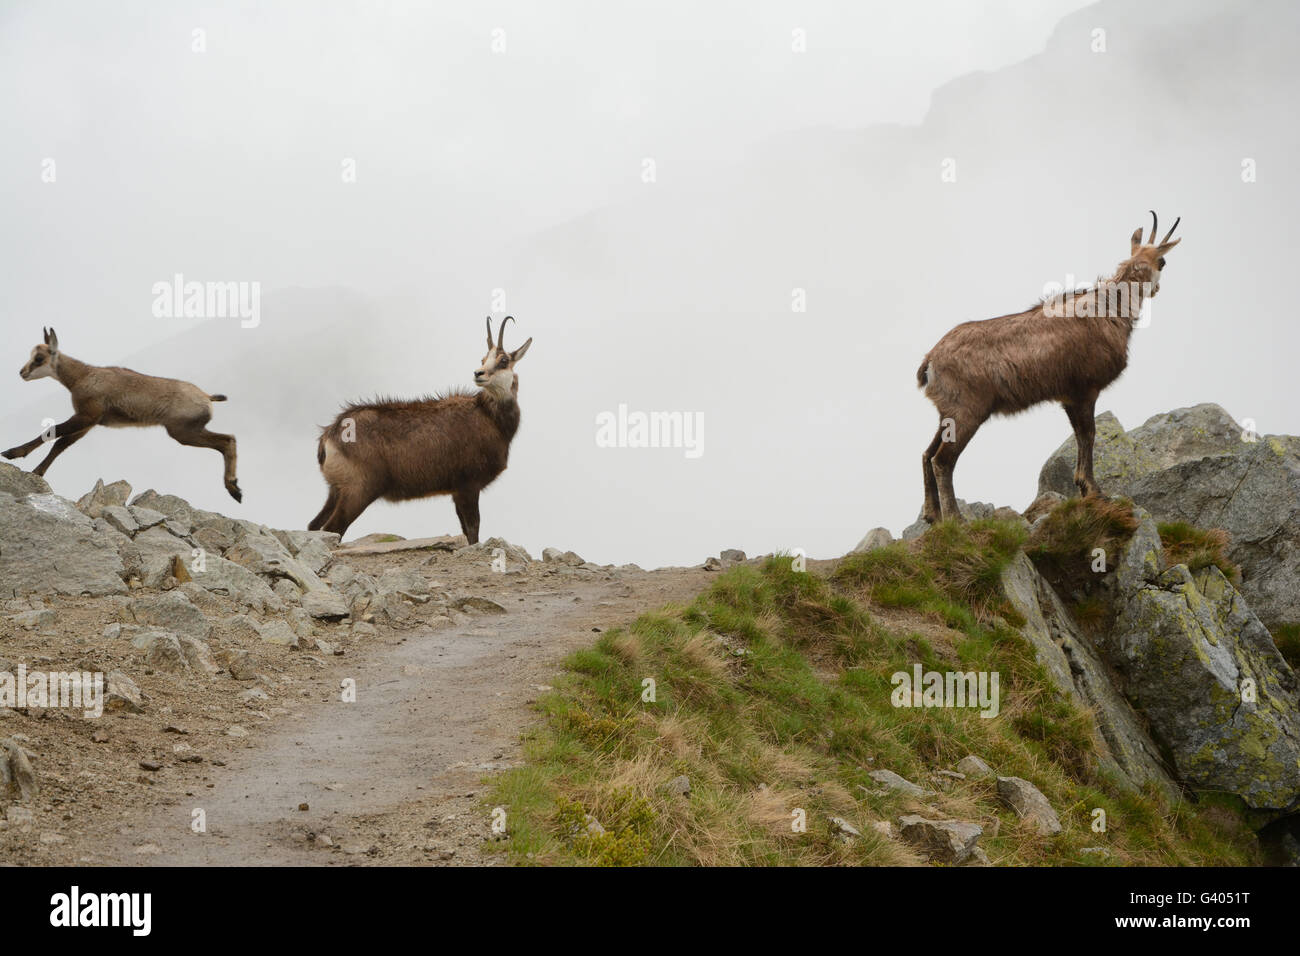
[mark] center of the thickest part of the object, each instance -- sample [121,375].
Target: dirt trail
[396,777]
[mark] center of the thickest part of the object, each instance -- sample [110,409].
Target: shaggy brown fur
[1065,349]
[400,450]
[121,398]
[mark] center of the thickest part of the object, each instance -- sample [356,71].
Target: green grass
[1197,548]
[773,695]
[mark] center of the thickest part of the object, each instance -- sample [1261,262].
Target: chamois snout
[39,365]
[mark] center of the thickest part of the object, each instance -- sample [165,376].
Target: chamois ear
[1166,246]
[518,353]
[1135,241]
[51,340]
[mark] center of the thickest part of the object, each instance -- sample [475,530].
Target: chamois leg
[60,446]
[1085,432]
[351,502]
[196,436]
[331,502]
[467,511]
[930,512]
[76,425]
[945,460]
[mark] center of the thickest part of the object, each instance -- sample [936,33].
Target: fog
[761,215]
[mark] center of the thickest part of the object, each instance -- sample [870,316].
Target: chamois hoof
[235,493]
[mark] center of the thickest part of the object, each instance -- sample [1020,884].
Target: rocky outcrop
[1184,682]
[1200,466]
[1077,669]
[1193,657]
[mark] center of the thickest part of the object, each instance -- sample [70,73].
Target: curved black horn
[501,332]
[489,331]
[1152,237]
[1171,230]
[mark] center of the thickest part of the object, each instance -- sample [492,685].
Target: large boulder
[1200,466]
[1077,669]
[47,546]
[1190,654]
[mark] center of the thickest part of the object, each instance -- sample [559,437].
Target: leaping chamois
[121,398]
[455,444]
[1065,349]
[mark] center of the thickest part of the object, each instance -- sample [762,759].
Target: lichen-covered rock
[1198,465]
[1077,669]
[1193,657]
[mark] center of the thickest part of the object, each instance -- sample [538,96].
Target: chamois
[455,444]
[121,398]
[1066,349]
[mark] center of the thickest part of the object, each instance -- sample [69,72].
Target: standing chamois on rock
[120,398]
[1065,349]
[455,444]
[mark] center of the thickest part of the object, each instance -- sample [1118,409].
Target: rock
[239,627]
[277,632]
[971,511]
[120,518]
[175,508]
[972,766]
[325,605]
[1029,804]
[264,554]
[944,841]
[875,538]
[35,620]
[151,555]
[731,554]
[17,778]
[410,585]
[679,785]
[843,829]
[92,503]
[14,481]
[237,583]
[51,547]
[374,544]
[556,556]
[20,816]
[1192,465]
[893,781]
[146,518]
[480,605]
[171,611]
[174,653]
[1077,669]
[884,828]
[122,694]
[1193,657]
[240,665]
[712,564]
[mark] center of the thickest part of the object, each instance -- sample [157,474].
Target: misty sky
[499,152]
